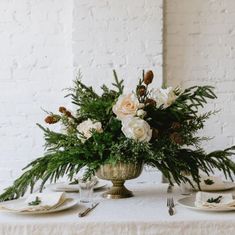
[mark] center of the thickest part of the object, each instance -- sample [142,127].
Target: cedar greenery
[174,147]
[215,200]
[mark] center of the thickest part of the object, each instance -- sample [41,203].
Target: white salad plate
[69,203]
[189,202]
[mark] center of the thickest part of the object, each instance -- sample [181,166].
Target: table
[144,214]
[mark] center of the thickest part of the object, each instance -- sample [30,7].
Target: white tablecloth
[144,214]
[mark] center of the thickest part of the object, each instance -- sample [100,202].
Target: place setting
[39,203]
[209,202]
[58,197]
[214,195]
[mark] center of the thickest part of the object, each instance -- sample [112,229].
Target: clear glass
[86,190]
[186,188]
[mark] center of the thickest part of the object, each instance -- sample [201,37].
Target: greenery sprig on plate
[209,182]
[157,126]
[215,200]
[36,202]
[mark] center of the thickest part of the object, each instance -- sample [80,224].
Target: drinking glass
[186,188]
[86,190]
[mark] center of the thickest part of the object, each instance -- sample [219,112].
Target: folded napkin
[207,200]
[47,201]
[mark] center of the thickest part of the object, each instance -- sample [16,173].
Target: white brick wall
[43,41]
[35,64]
[200,49]
[125,35]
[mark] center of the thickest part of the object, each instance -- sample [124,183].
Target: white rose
[141,113]
[165,97]
[86,128]
[126,105]
[136,128]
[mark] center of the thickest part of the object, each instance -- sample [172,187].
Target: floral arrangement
[156,126]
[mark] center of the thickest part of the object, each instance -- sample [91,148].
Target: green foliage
[118,84]
[55,141]
[36,202]
[215,200]
[193,98]
[90,105]
[174,147]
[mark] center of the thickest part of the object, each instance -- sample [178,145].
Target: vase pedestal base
[117,191]
[118,173]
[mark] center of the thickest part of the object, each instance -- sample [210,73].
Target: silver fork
[170,205]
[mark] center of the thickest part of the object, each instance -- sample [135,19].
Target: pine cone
[148,77]
[176,138]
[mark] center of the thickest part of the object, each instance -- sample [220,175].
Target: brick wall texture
[35,64]
[44,42]
[125,35]
[200,49]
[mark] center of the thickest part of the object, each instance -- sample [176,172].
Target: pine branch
[55,141]
[50,167]
[195,97]
[186,160]
[118,84]
[80,91]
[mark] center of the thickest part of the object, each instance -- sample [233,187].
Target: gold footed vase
[118,173]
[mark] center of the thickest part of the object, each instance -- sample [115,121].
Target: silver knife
[86,211]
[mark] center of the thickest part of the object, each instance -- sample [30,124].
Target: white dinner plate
[66,187]
[220,187]
[189,202]
[70,202]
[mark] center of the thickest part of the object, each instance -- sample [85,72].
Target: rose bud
[150,102]
[148,77]
[51,119]
[141,90]
[62,109]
